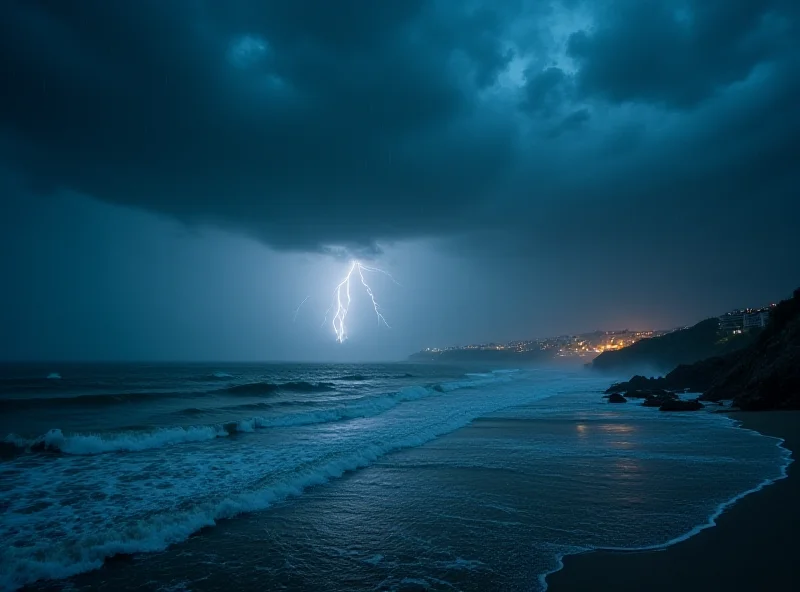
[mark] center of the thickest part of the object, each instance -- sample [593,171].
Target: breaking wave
[133,441]
[70,556]
[125,441]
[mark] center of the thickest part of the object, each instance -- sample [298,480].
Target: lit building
[738,321]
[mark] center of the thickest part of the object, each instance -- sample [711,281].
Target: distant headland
[619,350]
[583,346]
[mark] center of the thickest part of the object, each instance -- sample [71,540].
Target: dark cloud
[679,53]
[315,124]
[332,125]
[573,121]
[547,90]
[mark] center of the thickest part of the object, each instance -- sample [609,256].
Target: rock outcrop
[767,374]
[696,378]
[764,375]
[659,399]
[678,405]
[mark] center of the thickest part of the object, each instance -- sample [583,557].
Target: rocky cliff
[764,375]
[767,374]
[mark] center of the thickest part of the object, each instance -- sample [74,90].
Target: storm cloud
[613,137]
[315,123]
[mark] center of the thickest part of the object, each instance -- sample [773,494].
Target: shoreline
[747,543]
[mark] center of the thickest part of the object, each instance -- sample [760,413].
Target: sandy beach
[754,545]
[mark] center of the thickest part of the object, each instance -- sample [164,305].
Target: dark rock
[699,377]
[659,398]
[678,405]
[616,398]
[637,383]
[637,394]
[644,394]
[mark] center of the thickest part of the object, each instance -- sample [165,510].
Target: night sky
[176,177]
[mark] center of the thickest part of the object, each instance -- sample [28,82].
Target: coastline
[752,545]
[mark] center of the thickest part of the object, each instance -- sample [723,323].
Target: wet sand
[754,546]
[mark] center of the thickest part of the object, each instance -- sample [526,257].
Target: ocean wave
[263,405]
[252,388]
[192,411]
[38,384]
[103,399]
[125,441]
[83,400]
[474,380]
[86,400]
[64,558]
[216,376]
[265,388]
[362,377]
[363,407]
[135,441]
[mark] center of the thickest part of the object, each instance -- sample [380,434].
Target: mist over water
[343,477]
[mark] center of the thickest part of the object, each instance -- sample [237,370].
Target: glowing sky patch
[247,51]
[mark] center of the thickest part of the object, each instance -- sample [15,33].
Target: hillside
[664,353]
[764,375]
[767,374]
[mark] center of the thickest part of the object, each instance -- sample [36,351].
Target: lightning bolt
[342,299]
[299,306]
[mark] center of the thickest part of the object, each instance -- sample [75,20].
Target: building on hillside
[738,321]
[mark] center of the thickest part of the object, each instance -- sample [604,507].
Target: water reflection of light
[628,465]
[616,428]
[629,476]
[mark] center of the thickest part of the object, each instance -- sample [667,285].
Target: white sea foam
[129,441]
[151,519]
[150,500]
[711,520]
[133,441]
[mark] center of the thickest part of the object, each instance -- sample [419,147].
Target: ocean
[345,477]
